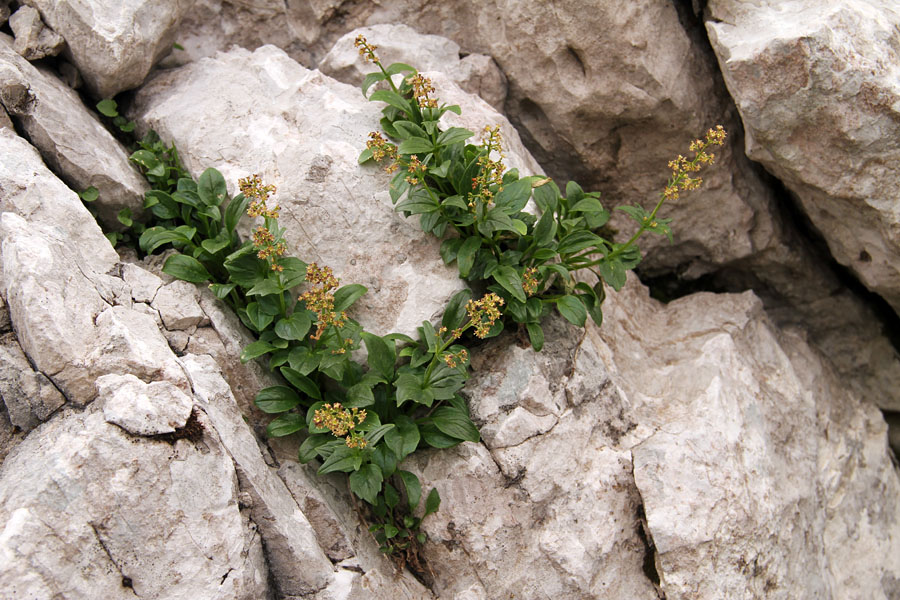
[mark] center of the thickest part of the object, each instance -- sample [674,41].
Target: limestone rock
[34,40]
[71,140]
[144,284]
[64,324]
[830,133]
[295,560]
[113,43]
[261,112]
[143,408]
[178,307]
[475,73]
[88,511]
[4,11]
[29,396]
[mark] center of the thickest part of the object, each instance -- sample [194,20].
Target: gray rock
[4,11]
[113,43]
[476,73]
[5,122]
[71,140]
[831,130]
[305,132]
[143,408]
[34,40]
[68,330]
[29,396]
[88,511]
[288,537]
[144,284]
[178,307]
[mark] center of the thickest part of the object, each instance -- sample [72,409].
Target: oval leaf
[186,268]
[276,399]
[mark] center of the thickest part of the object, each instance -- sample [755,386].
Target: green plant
[463,191]
[365,418]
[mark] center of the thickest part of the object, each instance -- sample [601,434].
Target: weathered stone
[30,190]
[832,131]
[5,122]
[114,43]
[5,324]
[34,40]
[476,73]
[143,408]
[144,284]
[177,305]
[304,132]
[71,140]
[295,560]
[28,395]
[4,11]
[88,511]
[64,325]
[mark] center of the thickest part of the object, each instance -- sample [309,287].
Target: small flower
[484,313]
[530,281]
[366,49]
[253,188]
[422,87]
[456,358]
[341,422]
[682,168]
[320,299]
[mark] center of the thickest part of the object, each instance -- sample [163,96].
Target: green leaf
[514,196]
[286,425]
[465,258]
[186,268]
[587,204]
[547,197]
[509,278]
[301,382]
[370,80]
[211,187]
[382,355]
[276,399]
[455,313]
[216,244]
[293,327]
[221,290]
[455,423]
[266,287]
[413,489]
[366,482]
[403,439]
[108,108]
[244,268]
[436,438]
[613,273]
[453,135]
[385,459]
[256,349]
[572,309]
[359,396]
[416,145]
[146,159]
[374,436]
[399,67]
[347,295]
[90,194]
[234,211]
[536,335]
[392,98]
[343,459]
[578,240]
[408,129]
[303,360]
[124,217]
[309,447]
[259,318]
[432,502]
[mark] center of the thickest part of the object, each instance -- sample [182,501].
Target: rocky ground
[732,443]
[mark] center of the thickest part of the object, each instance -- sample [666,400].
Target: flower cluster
[253,188]
[341,422]
[484,313]
[452,359]
[530,281]
[320,299]
[382,149]
[268,247]
[491,171]
[417,170]
[422,87]
[366,49]
[682,168]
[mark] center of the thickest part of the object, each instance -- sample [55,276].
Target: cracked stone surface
[69,136]
[143,408]
[34,40]
[28,395]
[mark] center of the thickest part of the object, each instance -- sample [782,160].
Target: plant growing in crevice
[518,238]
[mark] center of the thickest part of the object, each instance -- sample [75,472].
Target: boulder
[678,452]
[143,408]
[831,132]
[34,40]
[70,138]
[114,43]
[261,112]
[88,511]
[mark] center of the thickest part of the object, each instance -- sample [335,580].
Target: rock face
[708,478]
[830,129]
[113,43]
[75,145]
[304,132]
[34,40]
